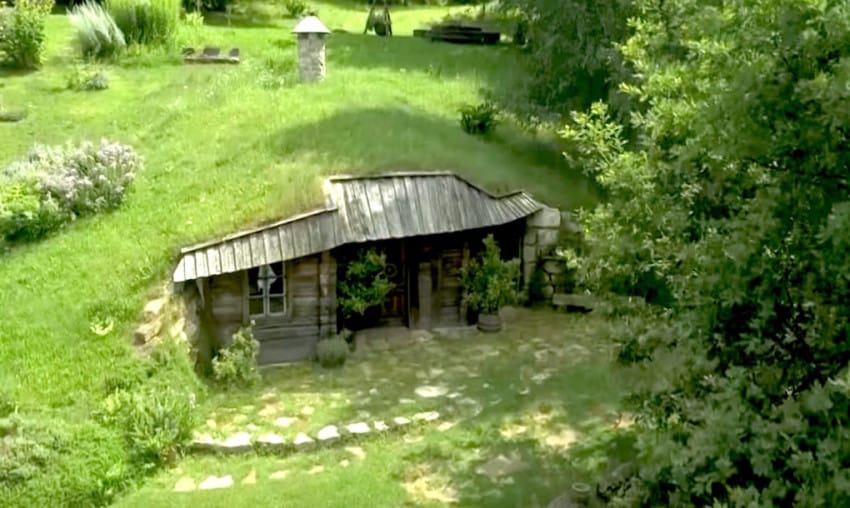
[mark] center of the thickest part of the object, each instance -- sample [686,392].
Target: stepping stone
[524,391]
[251,427]
[214,482]
[237,443]
[445,426]
[302,440]
[364,414]
[430,392]
[211,423]
[328,433]
[268,411]
[373,391]
[316,469]
[413,439]
[251,479]
[400,421]
[356,451]
[406,401]
[240,419]
[380,426]
[358,428]
[541,377]
[184,484]
[435,372]
[454,395]
[284,421]
[429,416]
[308,411]
[267,396]
[271,440]
[203,442]
[278,475]
[344,463]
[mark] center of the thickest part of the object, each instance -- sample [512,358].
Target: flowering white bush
[80,180]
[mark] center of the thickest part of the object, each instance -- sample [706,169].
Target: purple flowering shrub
[57,184]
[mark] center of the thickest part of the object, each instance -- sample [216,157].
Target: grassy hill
[225,147]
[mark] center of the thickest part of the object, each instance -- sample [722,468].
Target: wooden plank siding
[311,309]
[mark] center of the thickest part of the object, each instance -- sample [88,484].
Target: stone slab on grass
[184,484]
[327,434]
[237,443]
[358,428]
[215,482]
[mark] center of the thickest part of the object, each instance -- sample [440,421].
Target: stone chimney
[311,35]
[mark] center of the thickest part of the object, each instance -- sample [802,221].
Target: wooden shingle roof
[360,209]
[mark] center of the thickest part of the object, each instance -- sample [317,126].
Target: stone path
[330,435]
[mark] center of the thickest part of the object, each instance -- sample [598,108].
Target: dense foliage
[478,119]
[572,60]
[364,285]
[56,184]
[147,22]
[733,212]
[156,412]
[97,33]
[22,33]
[236,365]
[489,282]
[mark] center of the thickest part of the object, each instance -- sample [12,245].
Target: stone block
[529,255]
[358,428]
[271,441]
[547,237]
[327,434]
[546,218]
[154,308]
[553,266]
[548,291]
[302,441]
[147,331]
[530,238]
[237,443]
[574,302]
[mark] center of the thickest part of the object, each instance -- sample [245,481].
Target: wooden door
[395,305]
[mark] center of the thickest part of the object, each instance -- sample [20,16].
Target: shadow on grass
[418,54]
[404,139]
[13,72]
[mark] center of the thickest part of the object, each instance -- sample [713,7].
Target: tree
[734,204]
[572,60]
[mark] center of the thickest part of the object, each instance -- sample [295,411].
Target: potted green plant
[489,284]
[363,288]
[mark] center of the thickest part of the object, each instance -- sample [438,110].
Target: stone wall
[541,236]
[311,57]
[175,312]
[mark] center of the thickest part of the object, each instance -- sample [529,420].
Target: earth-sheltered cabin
[283,276]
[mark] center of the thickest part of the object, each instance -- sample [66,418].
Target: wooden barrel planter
[489,323]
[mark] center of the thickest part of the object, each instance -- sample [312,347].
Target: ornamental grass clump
[97,34]
[146,22]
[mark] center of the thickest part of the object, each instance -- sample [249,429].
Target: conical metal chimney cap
[310,25]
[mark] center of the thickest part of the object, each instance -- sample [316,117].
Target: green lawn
[542,394]
[224,150]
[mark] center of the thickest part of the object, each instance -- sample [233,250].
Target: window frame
[267,298]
